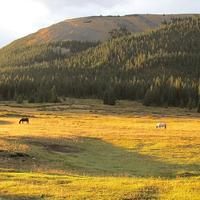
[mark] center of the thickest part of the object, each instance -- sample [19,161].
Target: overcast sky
[21,17]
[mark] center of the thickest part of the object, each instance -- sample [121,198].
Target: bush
[198,109]
[20,99]
[53,98]
[31,99]
[109,97]
[148,99]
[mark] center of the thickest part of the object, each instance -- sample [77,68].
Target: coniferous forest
[160,67]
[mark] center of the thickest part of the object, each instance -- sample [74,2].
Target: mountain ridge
[94,28]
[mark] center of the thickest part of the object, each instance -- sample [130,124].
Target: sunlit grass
[75,187]
[99,152]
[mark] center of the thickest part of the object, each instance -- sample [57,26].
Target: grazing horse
[22,120]
[161,125]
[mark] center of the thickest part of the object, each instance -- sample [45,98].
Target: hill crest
[94,28]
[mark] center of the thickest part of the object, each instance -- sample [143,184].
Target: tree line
[157,68]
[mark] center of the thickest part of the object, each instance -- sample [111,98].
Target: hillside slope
[94,28]
[159,67]
[54,42]
[26,55]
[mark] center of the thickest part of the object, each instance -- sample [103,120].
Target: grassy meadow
[81,149]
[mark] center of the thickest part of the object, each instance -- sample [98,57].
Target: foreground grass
[98,152]
[40,186]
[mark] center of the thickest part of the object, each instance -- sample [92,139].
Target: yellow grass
[81,149]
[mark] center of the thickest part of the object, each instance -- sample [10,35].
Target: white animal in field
[161,125]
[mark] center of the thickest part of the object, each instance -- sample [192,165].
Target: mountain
[159,67]
[54,42]
[94,28]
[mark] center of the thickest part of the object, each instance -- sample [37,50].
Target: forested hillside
[160,68]
[32,54]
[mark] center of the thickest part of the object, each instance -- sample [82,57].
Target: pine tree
[53,96]
[198,109]
[20,99]
[148,99]
[109,97]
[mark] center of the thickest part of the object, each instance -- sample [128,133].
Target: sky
[19,18]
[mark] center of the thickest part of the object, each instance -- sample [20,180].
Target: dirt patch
[13,154]
[14,115]
[5,122]
[18,197]
[146,193]
[63,148]
[187,174]
[19,155]
[57,147]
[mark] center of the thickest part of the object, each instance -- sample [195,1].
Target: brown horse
[24,119]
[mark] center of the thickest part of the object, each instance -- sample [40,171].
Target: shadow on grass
[93,156]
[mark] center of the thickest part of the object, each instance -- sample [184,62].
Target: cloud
[6,37]
[167,6]
[63,9]
[82,3]
[134,6]
[21,17]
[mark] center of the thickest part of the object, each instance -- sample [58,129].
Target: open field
[81,149]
